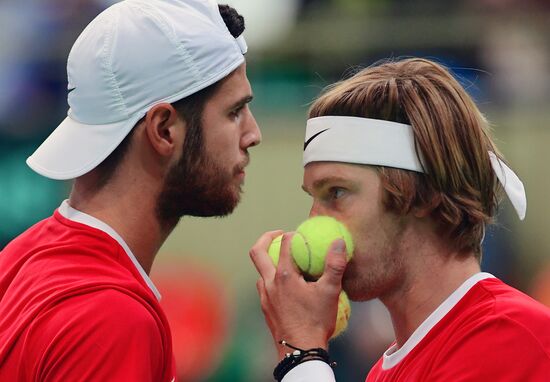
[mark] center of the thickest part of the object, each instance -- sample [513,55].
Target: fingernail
[340,245]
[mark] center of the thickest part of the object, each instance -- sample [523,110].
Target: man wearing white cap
[401,154]
[158,128]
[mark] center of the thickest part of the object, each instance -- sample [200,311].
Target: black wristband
[298,356]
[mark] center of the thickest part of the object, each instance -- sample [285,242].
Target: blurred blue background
[499,49]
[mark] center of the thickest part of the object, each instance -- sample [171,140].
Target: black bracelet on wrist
[298,356]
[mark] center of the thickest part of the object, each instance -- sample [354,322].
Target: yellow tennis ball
[274,249]
[344,312]
[312,241]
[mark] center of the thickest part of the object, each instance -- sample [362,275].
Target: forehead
[318,174]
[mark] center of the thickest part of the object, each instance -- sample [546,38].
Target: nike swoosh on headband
[306,144]
[385,143]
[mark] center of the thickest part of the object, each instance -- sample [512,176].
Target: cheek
[365,246]
[216,147]
[368,235]
[359,223]
[223,144]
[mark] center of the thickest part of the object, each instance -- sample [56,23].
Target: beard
[382,274]
[380,278]
[201,188]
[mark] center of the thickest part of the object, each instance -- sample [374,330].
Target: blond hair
[458,189]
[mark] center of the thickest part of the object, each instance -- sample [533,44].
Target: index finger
[286,262]
[259,256]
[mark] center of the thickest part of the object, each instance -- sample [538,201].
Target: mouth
[239,169]
[240,173]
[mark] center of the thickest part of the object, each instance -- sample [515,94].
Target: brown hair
[458,189]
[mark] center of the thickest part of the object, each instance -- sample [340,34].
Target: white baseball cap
[134,55]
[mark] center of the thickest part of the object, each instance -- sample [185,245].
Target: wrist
[296,356]
[301,343]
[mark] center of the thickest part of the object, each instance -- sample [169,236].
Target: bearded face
[200,187]
[208,177]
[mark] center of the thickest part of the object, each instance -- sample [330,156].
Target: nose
[316,209]
[252,136]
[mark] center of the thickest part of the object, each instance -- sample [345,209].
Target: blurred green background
[499,49]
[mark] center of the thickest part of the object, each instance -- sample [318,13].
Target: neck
[433,278]
[130,209]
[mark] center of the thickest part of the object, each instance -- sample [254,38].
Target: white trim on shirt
[70,213]
[393,355]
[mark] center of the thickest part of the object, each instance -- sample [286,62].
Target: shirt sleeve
[310,371]
[100,336]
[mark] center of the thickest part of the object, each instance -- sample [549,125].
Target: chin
[351,287]
[229,204]
[357,287]
[357,293]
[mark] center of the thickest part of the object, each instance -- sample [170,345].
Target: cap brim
[73,148]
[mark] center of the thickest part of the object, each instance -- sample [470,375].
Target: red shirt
[488,331]
[76,306]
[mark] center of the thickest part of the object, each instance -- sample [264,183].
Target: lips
[239,169]
[240,173]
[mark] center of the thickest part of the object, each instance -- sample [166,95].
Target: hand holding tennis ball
[309,246]
[311,243]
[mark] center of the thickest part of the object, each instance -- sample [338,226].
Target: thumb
[335,263]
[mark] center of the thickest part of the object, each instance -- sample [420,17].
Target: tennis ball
[344,312]
[274,249]
[312,241]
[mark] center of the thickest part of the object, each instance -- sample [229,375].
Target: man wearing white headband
[158,128]
[401,154]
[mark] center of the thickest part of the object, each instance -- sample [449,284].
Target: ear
[164,129]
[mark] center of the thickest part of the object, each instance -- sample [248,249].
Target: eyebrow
[320,183]
[243,101]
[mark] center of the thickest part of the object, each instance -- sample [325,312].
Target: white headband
[386,143]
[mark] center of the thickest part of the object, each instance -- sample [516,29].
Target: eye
[336,193]
[235,113]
